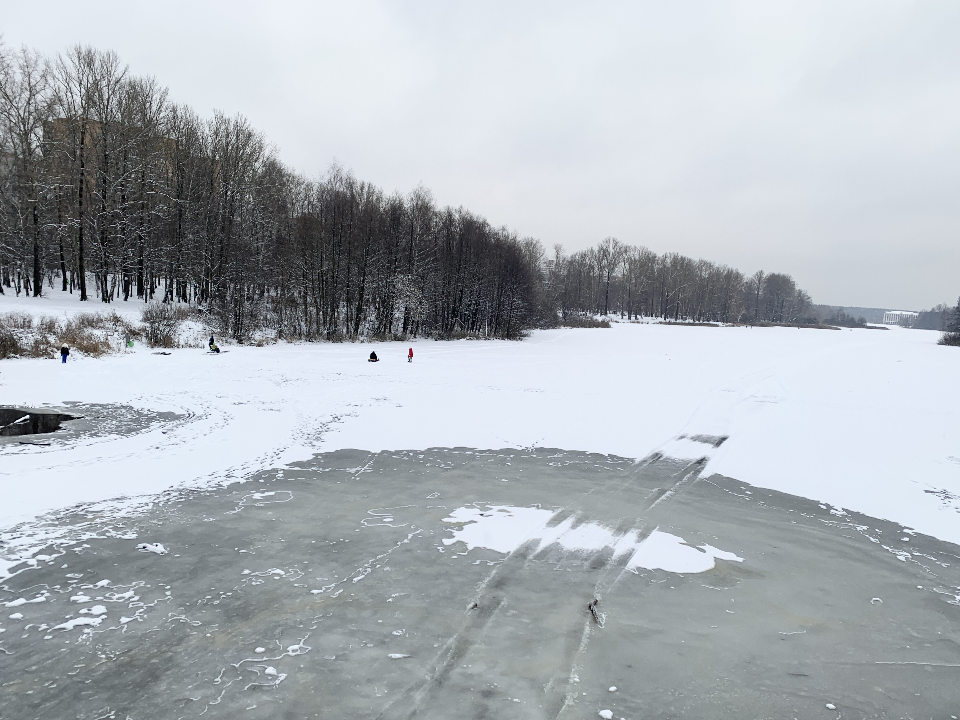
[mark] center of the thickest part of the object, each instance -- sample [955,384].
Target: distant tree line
[938,317]
[634,282]
[115,193]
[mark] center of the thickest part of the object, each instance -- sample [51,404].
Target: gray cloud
[815,138]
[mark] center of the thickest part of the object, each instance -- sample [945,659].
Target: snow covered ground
[865,420]
[65,304]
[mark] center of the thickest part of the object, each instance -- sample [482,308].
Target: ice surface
[494,626]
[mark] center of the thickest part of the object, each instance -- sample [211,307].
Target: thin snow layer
[663,551]
[156,548]
[78,622]
[503,528]
[866,420]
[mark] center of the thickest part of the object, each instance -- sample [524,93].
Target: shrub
[163,321]
[583,321]
[9,345]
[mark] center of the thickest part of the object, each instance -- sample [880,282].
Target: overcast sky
[818,139]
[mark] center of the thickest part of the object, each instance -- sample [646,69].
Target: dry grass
[92,334]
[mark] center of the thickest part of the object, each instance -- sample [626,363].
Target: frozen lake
[457,583]
[766,519]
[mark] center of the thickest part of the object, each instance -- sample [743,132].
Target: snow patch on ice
[152,547]
[78,622]
[500,528]
[23,601]
[663,551]
[504,528]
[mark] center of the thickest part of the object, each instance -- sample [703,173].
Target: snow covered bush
[163,321]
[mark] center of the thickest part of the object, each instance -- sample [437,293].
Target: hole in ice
[17,421]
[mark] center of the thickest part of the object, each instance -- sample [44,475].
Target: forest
[111,191]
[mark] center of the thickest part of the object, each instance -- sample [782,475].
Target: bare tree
[24,107]
[104,180]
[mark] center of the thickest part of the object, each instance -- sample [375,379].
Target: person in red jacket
[410,355]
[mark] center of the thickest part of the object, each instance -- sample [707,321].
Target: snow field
[860,419]
[56,303]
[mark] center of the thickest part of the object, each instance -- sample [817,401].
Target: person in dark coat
[212,344]
[373,357]
[64,351]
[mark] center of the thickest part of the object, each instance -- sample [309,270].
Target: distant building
[904,318]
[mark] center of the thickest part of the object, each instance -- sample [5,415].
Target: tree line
[634,282]
[114,192]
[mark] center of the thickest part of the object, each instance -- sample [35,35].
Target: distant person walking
[64,351]
[410,355]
